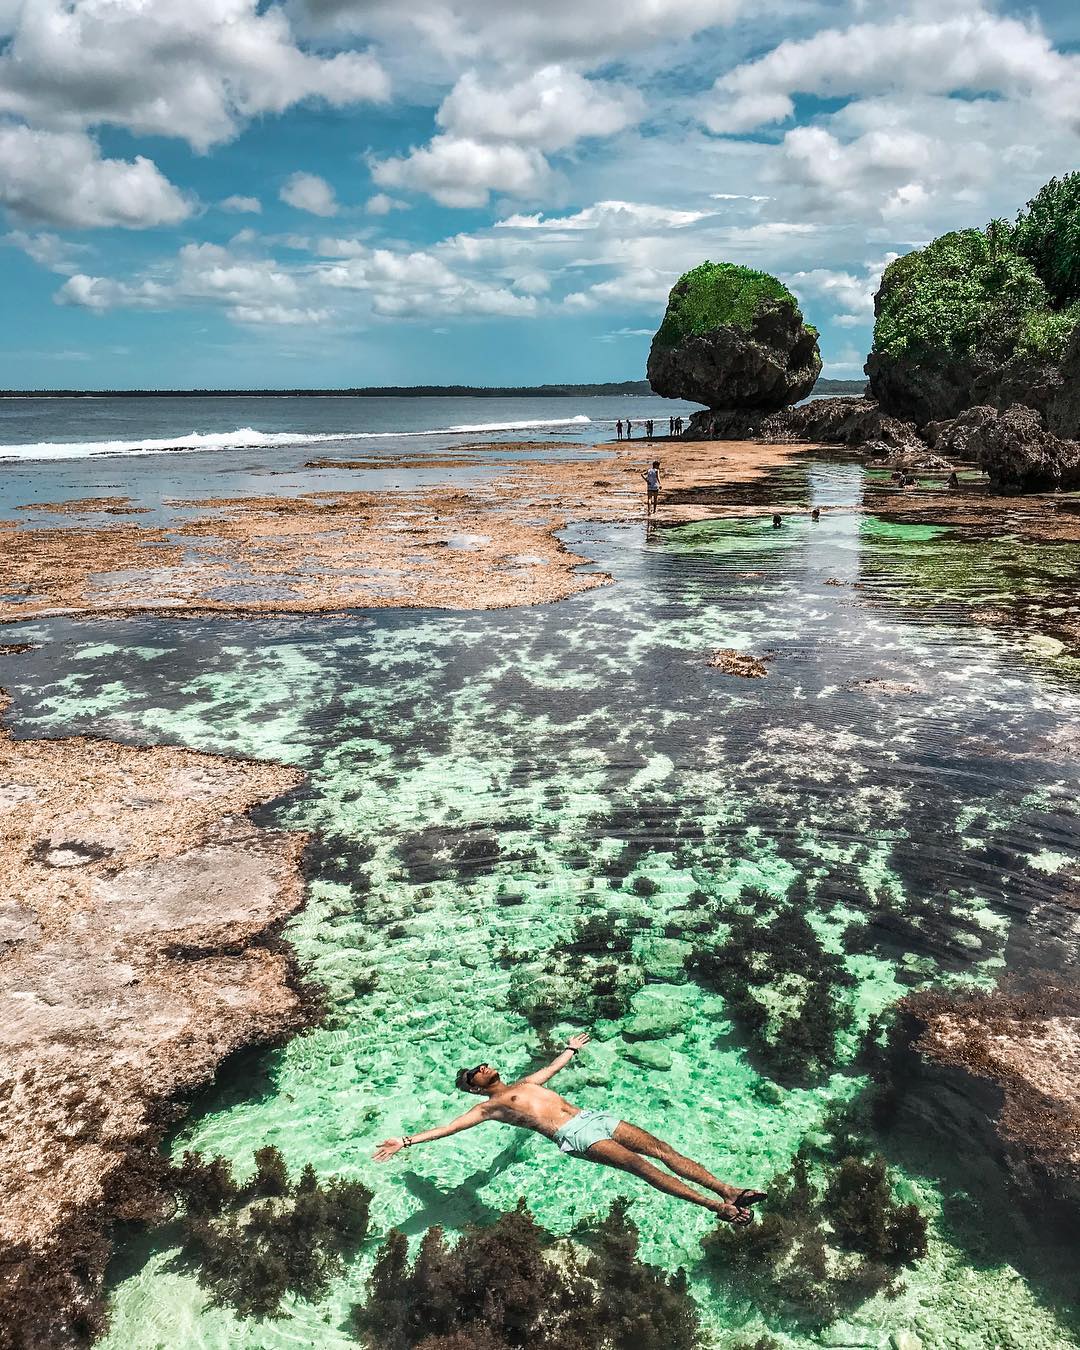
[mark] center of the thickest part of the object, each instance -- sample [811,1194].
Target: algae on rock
[733,337]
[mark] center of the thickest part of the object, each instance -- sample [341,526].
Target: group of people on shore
[625,430]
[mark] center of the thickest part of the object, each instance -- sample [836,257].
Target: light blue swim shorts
[585,1129]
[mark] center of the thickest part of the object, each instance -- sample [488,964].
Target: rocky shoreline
[1028,1045]
[138,950]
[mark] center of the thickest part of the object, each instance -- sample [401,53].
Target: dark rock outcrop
[733,338]
[836,421]
[1063,407]
[1018,454]
[957,438]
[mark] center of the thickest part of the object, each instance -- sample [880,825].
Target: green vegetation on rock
[966,292]
[715,295]
[1048,235]
[977,314]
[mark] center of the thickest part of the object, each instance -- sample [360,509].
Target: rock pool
[481,783]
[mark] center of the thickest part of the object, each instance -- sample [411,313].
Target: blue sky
[336,192]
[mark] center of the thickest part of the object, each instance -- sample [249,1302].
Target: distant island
[628,388]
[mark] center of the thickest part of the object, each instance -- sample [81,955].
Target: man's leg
[640,1141]
[613,1154]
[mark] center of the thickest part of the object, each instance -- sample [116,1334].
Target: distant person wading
[652,487]
[598,1136]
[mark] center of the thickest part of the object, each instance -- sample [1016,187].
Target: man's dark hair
[463,1080]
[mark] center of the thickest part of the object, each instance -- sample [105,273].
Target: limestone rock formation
[837,421]
[986,317]
[1063,408]
[957,438]
[733,338]
[1018,454]
[1026,1043]
[134,957]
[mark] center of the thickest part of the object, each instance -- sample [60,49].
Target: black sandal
[747,1197]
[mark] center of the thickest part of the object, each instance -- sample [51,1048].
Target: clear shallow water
[470,774]
[160,451]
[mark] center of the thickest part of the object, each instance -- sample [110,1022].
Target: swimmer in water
[597,1136]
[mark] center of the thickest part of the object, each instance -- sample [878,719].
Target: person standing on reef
[618,429]
[629,430]
[671,426]
[598,1136]
[652,487]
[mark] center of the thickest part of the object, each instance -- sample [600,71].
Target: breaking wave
[247,438]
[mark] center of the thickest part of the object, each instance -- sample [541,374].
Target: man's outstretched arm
[573,1045]
[386,1150]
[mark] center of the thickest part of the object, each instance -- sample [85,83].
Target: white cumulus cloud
[461,172]
[971,52]
[495,135]
[196,69]
[241,204]
[60,178]
[308,192]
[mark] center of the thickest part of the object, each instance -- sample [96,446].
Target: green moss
[715,295]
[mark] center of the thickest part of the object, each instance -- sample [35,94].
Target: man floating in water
[598,1136]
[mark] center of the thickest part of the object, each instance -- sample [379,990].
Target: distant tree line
[624,387]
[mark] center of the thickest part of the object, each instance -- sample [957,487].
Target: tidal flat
[532,819]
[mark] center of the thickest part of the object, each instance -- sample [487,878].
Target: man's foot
[733,1215]
[744,1198]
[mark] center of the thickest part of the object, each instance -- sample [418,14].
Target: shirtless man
[598,1136]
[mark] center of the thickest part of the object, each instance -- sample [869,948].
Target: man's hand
[576,1042]
[388,1148]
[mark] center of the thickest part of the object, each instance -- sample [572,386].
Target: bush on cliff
[1048,235]
[716,295]
[964,293]
[513,1284]
[984,317]
[252,1243]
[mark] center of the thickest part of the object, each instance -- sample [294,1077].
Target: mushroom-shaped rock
[733,337]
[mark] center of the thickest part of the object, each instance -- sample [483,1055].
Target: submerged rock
[1029,1045]
[743,664]
[649,1055]
[733,337]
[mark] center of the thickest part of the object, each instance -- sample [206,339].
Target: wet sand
[491,545]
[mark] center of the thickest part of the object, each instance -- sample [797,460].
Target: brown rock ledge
[1029,1045]
[139,908]
[486,544]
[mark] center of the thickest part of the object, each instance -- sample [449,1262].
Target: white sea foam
[247,438]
